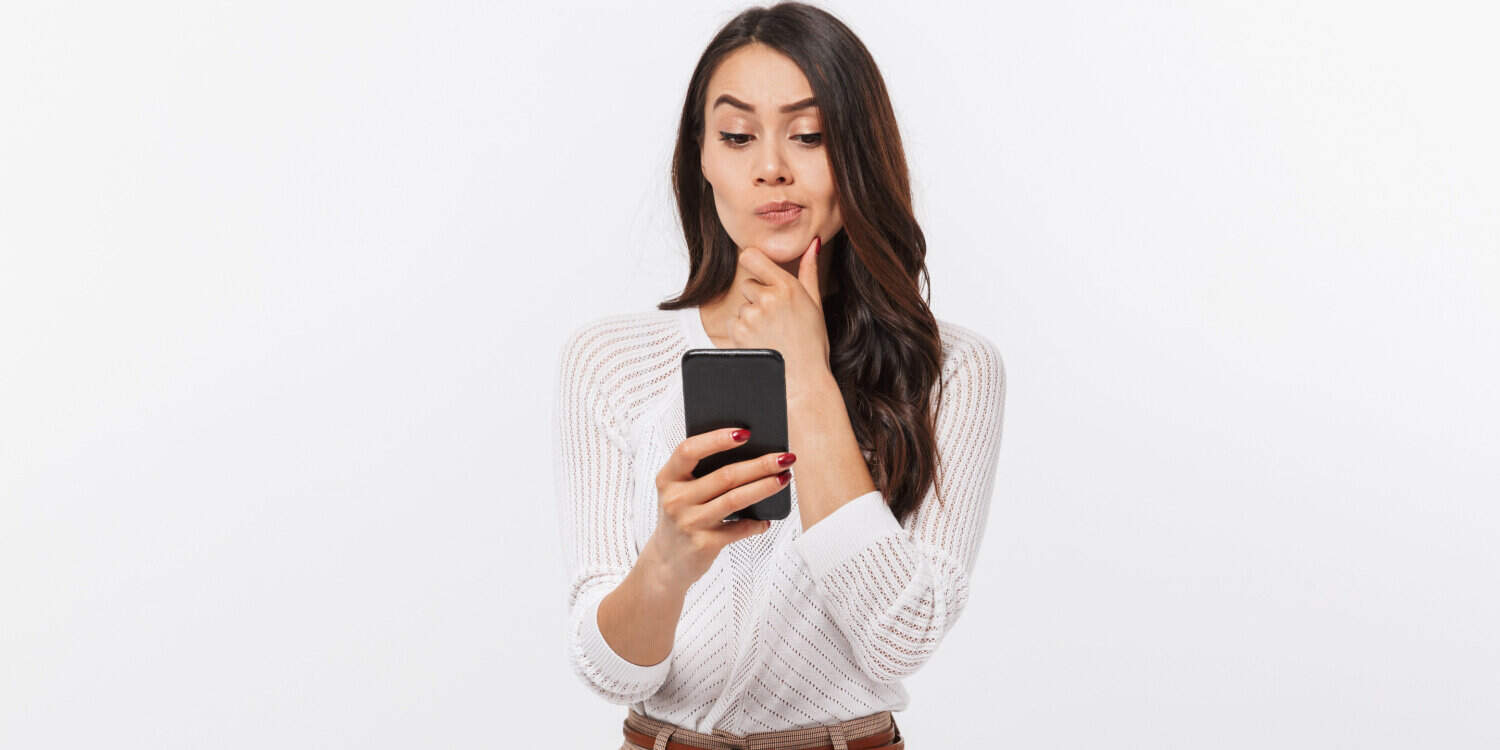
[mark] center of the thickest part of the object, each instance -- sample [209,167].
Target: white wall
[282,285]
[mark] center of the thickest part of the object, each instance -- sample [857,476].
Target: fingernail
[786,459]
[784,477]
[739,435]
[817,245]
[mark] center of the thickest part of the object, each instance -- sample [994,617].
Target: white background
[282,286]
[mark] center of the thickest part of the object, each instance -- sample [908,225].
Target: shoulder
[632,335]
[620,361]
[973,374]
[620,329]
[971,355]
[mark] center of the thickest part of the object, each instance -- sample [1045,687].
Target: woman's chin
[783,248]
[787,246]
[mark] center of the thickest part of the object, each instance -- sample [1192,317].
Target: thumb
[807,273]
[747,527]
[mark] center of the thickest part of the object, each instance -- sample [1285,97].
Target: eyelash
[728,138]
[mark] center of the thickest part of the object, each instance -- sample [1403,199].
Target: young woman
[795,204]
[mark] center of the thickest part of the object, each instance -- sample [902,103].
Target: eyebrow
[736,103]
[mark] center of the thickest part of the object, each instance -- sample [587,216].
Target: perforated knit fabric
[789,628]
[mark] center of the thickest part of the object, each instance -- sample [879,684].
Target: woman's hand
[690,530]
[783,312]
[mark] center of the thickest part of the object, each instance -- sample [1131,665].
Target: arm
[640,616]
[620,624]
[895,589]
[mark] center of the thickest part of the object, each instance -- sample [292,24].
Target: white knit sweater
[787,629]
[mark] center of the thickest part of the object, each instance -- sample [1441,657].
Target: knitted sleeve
[895,589]
[593,482]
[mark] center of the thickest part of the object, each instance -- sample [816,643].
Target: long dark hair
[884,345]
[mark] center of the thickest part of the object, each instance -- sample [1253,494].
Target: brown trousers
[842,736]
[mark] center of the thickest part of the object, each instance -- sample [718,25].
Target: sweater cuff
[841,534]
[611,665]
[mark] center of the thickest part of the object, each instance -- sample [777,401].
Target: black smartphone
[739,388]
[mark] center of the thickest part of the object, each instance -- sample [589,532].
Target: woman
[793,633]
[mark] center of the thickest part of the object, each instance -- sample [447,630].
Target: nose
[772,168]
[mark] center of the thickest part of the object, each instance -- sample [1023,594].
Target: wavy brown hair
[884,346]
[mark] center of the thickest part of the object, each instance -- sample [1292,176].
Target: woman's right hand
[690,530]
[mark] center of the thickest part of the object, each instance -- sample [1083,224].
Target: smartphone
[738,388]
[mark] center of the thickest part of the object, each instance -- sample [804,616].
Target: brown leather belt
[890,739]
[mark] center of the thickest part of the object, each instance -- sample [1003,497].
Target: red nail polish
[740,435]
[784,477]
[786,459]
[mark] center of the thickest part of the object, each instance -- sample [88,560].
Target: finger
[756,294]
[680,464]
[744,496]
[760,267]
[749,289]
[807,272]
[740,528]
[726,478]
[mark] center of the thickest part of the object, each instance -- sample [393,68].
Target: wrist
[811,385]
[656,574]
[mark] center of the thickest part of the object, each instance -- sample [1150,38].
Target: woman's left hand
[785,313]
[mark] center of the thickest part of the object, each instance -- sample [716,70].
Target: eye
[730,138]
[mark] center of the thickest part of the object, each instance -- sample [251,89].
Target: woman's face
[769,156]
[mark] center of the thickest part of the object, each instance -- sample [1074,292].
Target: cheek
[728,215]
[832,219]
[713,173]
[828,203]
[822,187]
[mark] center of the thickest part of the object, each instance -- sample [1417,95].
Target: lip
[776,206]
[785,212]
